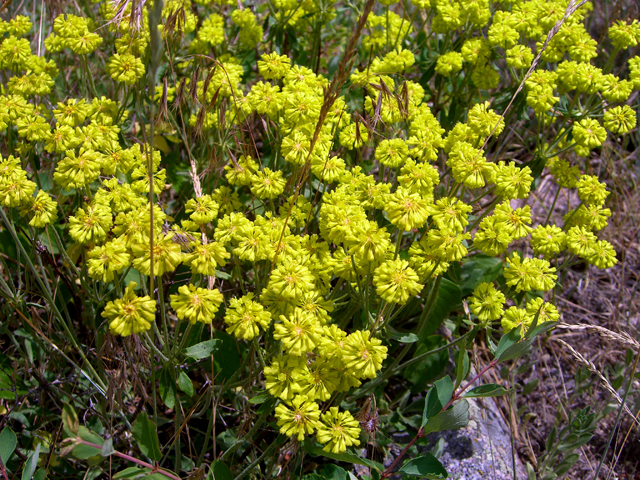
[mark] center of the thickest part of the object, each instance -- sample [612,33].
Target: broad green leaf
[437,450]
[222,275]
[530,386]
[8,443]
[168,388]
[426,466]
[444,387]
[488,390]
[507,341]
[131,472]
[40,474]
[139,474]
[219,471]
[31,464]
[70,420]
[479,269]
[185,384]
[539,329]
[90,436]
[107,448]
[84,452]
[260,398]
[437,397]
[516,351]
[452,419]
[402,337]
[144,431]
[333,472]
[203,349]
[227,359]
[431,366]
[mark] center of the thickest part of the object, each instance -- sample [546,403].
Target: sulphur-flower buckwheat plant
[278,224]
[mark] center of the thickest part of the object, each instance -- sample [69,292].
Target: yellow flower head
[130,314]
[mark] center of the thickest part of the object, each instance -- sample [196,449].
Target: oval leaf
[107,448]
[219,471]
[452,419]
[203,349]
[261,398]
[185,384]
[8,442]
[144,431]
[168,386]
[488,390]
[403,337]
[508,340]
[426,466]
[438,396]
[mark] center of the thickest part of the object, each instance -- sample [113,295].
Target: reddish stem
[155,469]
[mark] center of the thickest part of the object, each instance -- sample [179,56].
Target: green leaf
[333,472]
[402,337]
[507,341]
[313,476]
[168,390]
[144,431]
[185,384]
[347,457]
[438,448]
[431,366]
[437,397]
[258,399]
[516,351]
[31,464]
[8,443]
[226,357]
[539,329]
[70,420]
[40,474]
[452,419]
[90,436]
[84,452]
[203,349]
[222,275]
[107,448]
[219,471]
[449,297]
[132,472]
[479,269]
[488,390]
[426,466]
[530,386]
[462,364]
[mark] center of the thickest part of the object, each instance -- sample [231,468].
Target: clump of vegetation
[238,236]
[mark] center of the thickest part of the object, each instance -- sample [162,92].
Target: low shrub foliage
[245,240]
